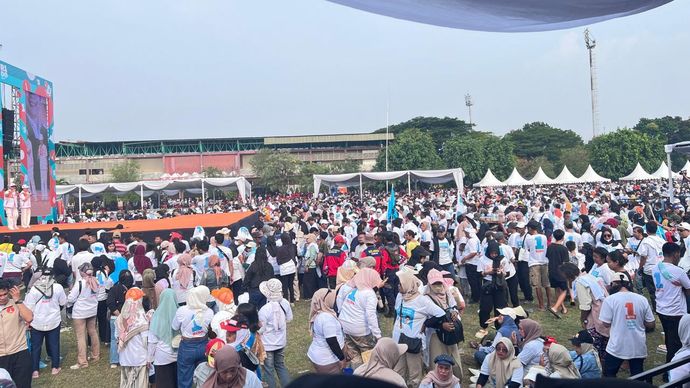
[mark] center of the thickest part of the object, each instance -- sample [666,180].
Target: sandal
[553,312]
[474,345]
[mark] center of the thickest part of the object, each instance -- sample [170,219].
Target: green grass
[100,375]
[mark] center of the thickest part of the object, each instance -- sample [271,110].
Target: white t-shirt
[160,353]
[325,326]
[445,252]
[487,264]
[651,246]
[185,323]
[626,312]
[46,310]
[681,371]
[634,258]
[85,302]
[410,317]
[670,299]
[473,245]
[509,255]
[574,237]
[530,354]
[274,317]
[357,314]
[685,260]
[200,263]
[135,352]
[515,240]
[15,262]
[79,259]
[602,272]
[536,246]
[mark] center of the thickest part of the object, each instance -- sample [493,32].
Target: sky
[172,69]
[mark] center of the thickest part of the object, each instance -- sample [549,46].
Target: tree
[540,139]
[440,129]
[669,130]
[275,169]
[345,166]
[576,158]
[412,150]
[127,171]
[615,154]
[305,180]
[212,172]
[528,167]
[478,152]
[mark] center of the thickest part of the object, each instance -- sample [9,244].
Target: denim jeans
[275,364]
[52,339]
[114,355]
[190,354]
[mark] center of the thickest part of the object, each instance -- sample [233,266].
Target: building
[91,162]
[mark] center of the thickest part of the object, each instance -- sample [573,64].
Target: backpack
[393,253]
[548,226]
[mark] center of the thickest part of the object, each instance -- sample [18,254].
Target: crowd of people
[212,309]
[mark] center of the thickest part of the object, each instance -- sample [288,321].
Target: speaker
[7,130]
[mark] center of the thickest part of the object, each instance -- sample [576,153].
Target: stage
[149,228]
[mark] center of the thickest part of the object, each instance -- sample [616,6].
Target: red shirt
[332,260]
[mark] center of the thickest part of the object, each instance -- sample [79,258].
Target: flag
[392,211]
[460,208]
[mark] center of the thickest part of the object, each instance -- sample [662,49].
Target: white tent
[686,167]
[505,15]
[638,174]
[426,176]
[515,179]
[540,178]
[591,176]
[565,177]
[146,188]
[489,180]
[662,172]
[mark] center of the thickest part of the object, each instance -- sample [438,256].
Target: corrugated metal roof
[327,138]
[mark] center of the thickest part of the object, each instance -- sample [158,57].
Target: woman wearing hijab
[557,360]
[84,301]
[229,373]
[259,271]
[501,368]
[214,277]
[326,349]
[684,351]
[115,301]
[139,263]
[413,313]
[357,303]
[160,351]
[225,303]
[274,316]
[384,357]
[45,300]
[118,259]
[148,286]
[442,375]
[162,279]
[437,290]
[192,320]
[310,280]
[183,278]
[102,274]
[286,258]
[531,345]
[345,272]
[585,357]
[132,332]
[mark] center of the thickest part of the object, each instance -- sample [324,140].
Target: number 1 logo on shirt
[630,311]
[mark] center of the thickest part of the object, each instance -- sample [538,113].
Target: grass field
[100,375]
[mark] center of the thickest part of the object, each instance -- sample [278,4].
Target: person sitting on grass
[442,375]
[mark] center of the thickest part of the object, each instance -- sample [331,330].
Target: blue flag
[392,211]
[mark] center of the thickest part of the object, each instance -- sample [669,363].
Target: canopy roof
[638,174]
[565,177]
[515,179]
[540,178]
[686,167]
[242,185]
[505,15]
[591,176]
[489,180]
[355,178]
[662,172]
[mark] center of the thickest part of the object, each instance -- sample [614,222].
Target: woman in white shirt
[132,333]
[274,316]
[102,274]
[531,346]
[326,349]
[45,300]
[84,300]
[413,313]
[684,334]
[160,351]
[183,278]
[192,320]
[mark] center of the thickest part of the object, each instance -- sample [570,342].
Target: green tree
[615,154]
[305,180]
[61,181]
[440,129]
[576,158]
[528,167]
[412,150]
[275,169]
[478,152]
[540,139]
[212,172]
[127,171]
[669,130]
[345,166]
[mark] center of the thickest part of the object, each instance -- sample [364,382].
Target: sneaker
[113,366]
[34,375]
[77,366]
[55,371]
[42,364]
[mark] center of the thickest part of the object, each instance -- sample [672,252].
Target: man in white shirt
[650,252]
[684,233]
[82,256]
[535,243]
[672,288]
[516,241]
[572,235]
[629,317]
[471,258]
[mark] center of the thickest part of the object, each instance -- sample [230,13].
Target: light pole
[468,104]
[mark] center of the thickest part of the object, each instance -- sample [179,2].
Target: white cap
[683,225]
[520,225]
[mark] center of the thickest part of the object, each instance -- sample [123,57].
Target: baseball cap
[232,326]
[683,226]
[444,359]
[441,229]
[533,224]
[520,225]
[339,239]
[434,276]
[620,277]
[582,337]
